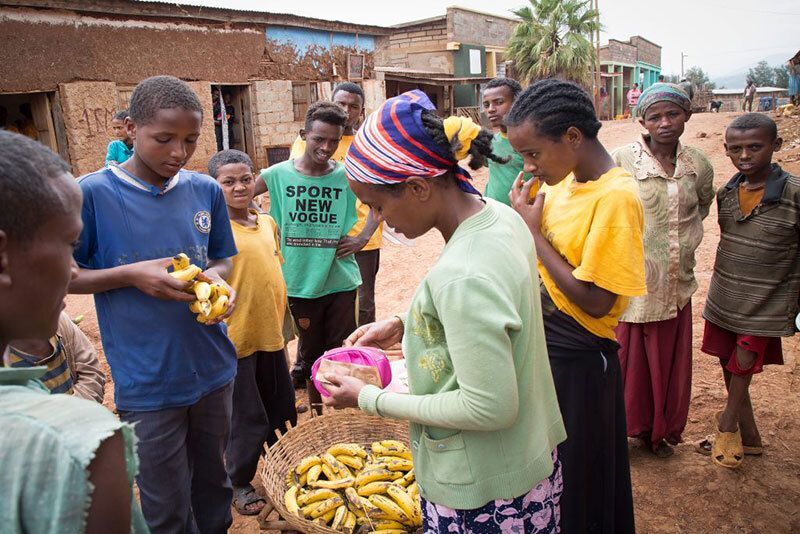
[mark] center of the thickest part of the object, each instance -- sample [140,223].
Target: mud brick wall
[469,27]
[88,108]
[419,47]
[273,116]
[123,51]
[283,61]
[374,95]
[618,52]
[206,143]
[647,52]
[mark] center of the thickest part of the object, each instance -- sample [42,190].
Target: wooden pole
[597,77]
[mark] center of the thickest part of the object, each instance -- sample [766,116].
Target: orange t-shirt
[749,199]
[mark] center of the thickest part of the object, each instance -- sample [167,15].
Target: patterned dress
[538,511]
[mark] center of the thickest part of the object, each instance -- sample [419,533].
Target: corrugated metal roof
[166,9]
[741,91]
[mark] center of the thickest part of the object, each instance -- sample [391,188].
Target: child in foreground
[753,297]
[473,339]
[173,376]
[587,224]
[365,237]
[314,210]
[120,149]
[67,464]
[70,358]
[676,187]
[263,396]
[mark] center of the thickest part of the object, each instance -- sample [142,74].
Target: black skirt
[597,479]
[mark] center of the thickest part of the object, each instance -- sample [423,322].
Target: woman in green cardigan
[484,419]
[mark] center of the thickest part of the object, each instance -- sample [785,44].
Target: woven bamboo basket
[314,436]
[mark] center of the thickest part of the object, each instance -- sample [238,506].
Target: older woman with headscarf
[484,418]
[655,333]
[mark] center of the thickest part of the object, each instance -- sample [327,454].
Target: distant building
[77,62]
[732,98]
[623,63]
[448,57]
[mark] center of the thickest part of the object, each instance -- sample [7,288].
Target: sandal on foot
[663,450]
[246,496]
[704,447]
[727,451]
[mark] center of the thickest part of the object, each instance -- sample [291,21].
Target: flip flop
[244,497]
[727,451]
[704,447]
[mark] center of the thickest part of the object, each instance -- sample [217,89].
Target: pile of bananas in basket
[351,490]
[212,298]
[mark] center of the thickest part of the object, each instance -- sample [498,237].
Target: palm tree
[553,39]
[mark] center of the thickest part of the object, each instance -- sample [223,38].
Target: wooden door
[43,120]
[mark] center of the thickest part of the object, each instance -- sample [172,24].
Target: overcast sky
[721,36]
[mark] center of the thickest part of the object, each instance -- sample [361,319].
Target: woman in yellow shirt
[587,224]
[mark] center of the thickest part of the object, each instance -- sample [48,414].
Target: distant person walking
[633,99]
[749,95]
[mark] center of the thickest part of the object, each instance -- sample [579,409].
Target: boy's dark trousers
[368,263]
[322,324]
[182,480]
[263,400]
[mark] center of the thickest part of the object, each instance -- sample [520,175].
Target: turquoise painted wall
[303,38]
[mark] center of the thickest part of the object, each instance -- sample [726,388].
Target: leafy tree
[699,78]
[763,75]
[782,76]
[554,39]
[672,78]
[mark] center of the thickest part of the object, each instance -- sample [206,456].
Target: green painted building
[622,64]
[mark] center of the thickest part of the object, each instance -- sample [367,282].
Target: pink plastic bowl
[357,355]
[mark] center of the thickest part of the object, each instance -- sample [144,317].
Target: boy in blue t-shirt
[315,209]
[172,375]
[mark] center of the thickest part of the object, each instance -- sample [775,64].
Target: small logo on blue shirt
[202,221]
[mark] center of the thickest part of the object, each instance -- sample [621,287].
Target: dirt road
[684,493]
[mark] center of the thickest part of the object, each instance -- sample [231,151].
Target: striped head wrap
[663,92]
[393,145]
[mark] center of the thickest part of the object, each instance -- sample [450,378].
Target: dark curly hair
[480,149]
[326,112]
[161,92]
[754,121]
[349,87]
[553,106]
[121,115]
[27,193]
[226,157]
[512,84]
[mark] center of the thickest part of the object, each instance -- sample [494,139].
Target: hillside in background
[738,78]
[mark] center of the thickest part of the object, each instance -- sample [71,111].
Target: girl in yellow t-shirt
[587,224]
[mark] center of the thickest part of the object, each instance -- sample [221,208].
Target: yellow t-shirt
[597,227]
[299,146]
[257,321]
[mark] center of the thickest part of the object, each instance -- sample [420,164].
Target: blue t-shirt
[118,152]
[159,355]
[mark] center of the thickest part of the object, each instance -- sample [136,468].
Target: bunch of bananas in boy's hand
[212,297]
[350,490]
